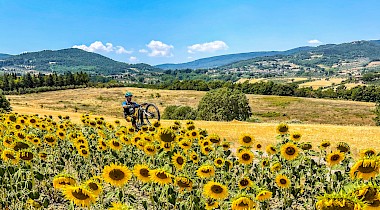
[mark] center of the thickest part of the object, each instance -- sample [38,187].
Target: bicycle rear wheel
[152,113]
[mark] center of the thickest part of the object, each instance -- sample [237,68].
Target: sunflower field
[57,164]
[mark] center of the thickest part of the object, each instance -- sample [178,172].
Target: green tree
[224,104]
[377,112]
[5,106]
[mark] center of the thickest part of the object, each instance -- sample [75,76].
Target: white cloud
[122,50]
[207,47]
[159,49]
[98,46]
[133,59]
[314,41]
[143,51]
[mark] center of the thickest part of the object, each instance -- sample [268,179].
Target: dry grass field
[326,119]
[322,83]
[270,109]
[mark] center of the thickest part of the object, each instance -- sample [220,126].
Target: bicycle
[150,113]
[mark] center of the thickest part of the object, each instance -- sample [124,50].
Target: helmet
[128,94]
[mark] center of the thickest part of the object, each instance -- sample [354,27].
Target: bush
[5,106]
[224,104]
[377,112]
[179,113]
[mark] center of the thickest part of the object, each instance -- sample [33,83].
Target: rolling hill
[70,60]
[4,56]
[221,60]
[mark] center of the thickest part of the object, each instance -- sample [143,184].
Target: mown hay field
[322,83]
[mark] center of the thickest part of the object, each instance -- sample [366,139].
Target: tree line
[15,83]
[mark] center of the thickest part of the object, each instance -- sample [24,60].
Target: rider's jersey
[130,110]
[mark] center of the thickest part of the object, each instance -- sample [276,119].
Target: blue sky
[175,31]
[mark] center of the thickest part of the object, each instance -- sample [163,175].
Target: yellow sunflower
[185,144]
[265,162]
[243,203]
[36,141]
[367,153]
[179,161]
[142,172]
[258,146]
[206,171]
[160,176]
[61,181]
[219,162]
[244,183]
[50,139]
[115,144]
[264,195]
[245,157]
[102,145]
[334,158]
[365,168]
[306,146]
[282,128]
[325,144]
[215,190]
[246,140]
[120,206]
[226,145]
[94,187]
[184,183]
[343,147]
[166,135]
[79,195]
[61,134]
[8,141]
[84,152]
[211,204]
[116,175]
[289,151]
[150,149]
[167,146]
[20,144]
[282,181]
[295,136]
[194,157]
[10,155]
[206,150]
[270,149]
[275,167]
[214,138]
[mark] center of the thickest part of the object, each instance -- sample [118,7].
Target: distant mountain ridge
[71,59]
[221,60]
[3,56]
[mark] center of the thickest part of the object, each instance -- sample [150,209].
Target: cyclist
[129,109]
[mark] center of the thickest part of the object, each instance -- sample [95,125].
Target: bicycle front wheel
[152,113]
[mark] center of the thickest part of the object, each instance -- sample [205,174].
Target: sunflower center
[10,156]
[243,204]
[283,129]
[20,145]
[325,144]
[50,139]
[369,169]
[167,137]
[104,144]
[144,172]
[194,157]
[216,189]
[206,171]
[116,174]
[162,175]
[258,146]
[93,186]
[369,153]
[84,152]
[183,183]
[290,151]
[335,157]
[27,156]
[283,181]
[246,156]
[80,195]
[244,182]
[219,162]
[207,149]
[180,160]
[193,134]
[247,139]
[150,149]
